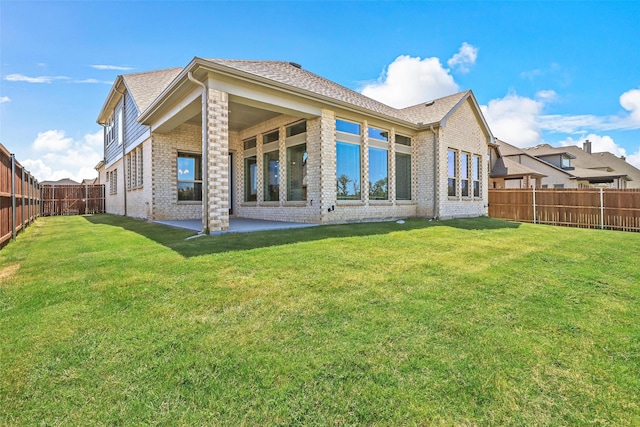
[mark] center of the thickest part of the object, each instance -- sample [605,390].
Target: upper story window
[110,131]
[120,125]
[566,162]
[347,127]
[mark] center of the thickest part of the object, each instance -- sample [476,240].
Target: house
[270,140]
[588,169]
[544,166]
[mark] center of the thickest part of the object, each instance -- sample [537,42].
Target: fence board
[580,207]
[19,197]
[72,199]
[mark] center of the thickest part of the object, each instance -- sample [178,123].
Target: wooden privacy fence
[72,199]
[605,208]
[19,197]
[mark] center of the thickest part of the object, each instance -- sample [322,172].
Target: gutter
[124,146]
[435,174]
[205,155]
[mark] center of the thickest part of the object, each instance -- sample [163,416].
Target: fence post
[13,197]
[534,203]
[86,199]
[601,208]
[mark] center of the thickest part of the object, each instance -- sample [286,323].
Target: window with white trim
[475,175]
[189,174]
[452,168]
[465,164]
[348,160]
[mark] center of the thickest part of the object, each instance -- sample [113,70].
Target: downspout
[124,146]
[205,156]
[436,184]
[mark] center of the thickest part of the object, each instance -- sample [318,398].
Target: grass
[109,321]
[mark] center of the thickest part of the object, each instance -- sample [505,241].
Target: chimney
[586,146]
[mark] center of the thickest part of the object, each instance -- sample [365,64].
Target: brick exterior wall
[139,199]
[463,133]
[186,138]
[157,199]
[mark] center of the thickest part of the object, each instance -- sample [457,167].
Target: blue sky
[543,72]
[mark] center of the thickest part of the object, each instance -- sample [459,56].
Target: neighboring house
[586,168]
[270,140]
[544,166]
[63,181]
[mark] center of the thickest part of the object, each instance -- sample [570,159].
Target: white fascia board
[265,99]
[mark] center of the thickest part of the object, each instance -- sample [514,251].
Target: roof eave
[112,99]
[197,63]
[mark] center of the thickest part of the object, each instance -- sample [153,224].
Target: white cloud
[93,81]
[547,96]
[4,99]
[599,143]
[514,119]
[111,67]
[52,140]
[41,79]
[634,158]
[630,101]
[465,57]
[65,157]
[409,81]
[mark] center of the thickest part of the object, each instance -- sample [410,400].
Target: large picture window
[348,171]
[250,179]
[452,167]
[403,176]
[297,172]
[378,174]
[271,176]
[189,177]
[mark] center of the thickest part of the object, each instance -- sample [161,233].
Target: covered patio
[237,225]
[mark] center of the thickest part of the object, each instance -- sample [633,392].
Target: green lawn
[110,321]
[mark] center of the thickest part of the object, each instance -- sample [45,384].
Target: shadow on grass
[175,238]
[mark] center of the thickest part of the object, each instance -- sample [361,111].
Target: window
[297,172]
[271,137]
[250,143]
[250,179]
[475,175]
[378,174]
[271,176]
[403,176]
[565,162]
[452,161]
[120,126]
[558,185]
[379,134]
[296,129]
[403,140]
[464,174]
[110,131]
[140,165]
[112,177]
[189,177]
[347,127]
[347,171]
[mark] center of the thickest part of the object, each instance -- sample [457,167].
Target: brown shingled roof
[145,87]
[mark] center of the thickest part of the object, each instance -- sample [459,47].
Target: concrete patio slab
[238,225]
